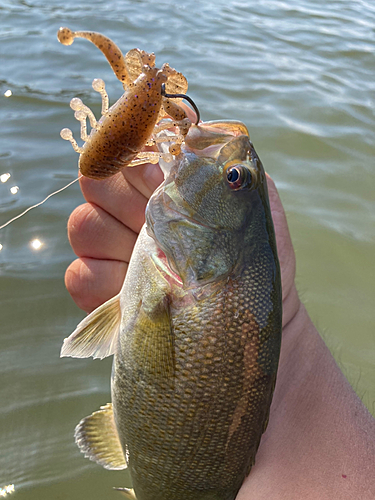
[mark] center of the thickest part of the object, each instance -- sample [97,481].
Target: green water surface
[300,74]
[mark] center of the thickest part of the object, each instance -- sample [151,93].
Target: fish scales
[199,331]
[204,425]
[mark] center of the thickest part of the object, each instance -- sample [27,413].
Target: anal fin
[97,334]
[97,437]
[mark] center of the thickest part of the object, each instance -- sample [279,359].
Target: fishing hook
[182,96]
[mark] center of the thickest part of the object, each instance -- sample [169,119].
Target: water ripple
[299,73]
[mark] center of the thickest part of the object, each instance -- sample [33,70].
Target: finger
[94,233]
[145,178]
[118,198]
[91,282]
[285,249]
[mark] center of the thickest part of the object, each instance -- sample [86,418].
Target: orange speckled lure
[117,140]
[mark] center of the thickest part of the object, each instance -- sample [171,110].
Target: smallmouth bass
[195,331]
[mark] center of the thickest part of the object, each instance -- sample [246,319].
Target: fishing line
[164,94]
[41,202]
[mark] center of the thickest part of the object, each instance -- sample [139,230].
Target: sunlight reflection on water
[7,490]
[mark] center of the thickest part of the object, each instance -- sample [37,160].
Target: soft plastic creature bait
[117,140]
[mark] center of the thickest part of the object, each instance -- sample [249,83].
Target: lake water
[300,74]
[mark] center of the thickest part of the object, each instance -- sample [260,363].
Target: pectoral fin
[97,334]
[127,492]
[97,437]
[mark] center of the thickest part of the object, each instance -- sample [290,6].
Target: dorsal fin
[97,334]
[97,437]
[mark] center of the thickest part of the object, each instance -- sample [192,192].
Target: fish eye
[238,177]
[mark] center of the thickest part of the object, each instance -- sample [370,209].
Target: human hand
[103,231]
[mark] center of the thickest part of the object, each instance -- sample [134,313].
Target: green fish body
[195,333]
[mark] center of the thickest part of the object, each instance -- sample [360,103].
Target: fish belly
[194,433]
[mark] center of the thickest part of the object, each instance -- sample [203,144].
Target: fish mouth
[166,206]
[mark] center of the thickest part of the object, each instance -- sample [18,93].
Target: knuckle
[80,226]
